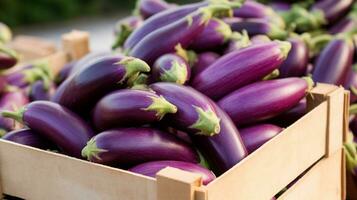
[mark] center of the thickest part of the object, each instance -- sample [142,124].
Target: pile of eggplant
[196,87]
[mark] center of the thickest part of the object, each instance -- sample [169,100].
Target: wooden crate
[313,143]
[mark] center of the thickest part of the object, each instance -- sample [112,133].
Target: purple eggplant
[234,70]
[8,57]
[64,73]
[40,91]
[27,76]
[224,150]
[148,8]
[291,116]
[353,125]
[55,123]
[297,60]
[237,41]
[123,29]
[263,100]
[171,68]
[130,108]
[280,6]
[29,138]
[162,40]
[195,113]
[334,63]
[344,25]
[260,26]
[87,60]
[259,39]
[214,35]
[252,9]
[152,168]
[203,61]
[11,99]
[132,146]
[5,33]
[160,20]
[99,78]
[255,136]
[331,10]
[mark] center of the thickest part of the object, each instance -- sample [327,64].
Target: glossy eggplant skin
[252,9]
[55,123]
[10,100]
[132,146]
[171,68]
[195,113]
[203,61]
[87,60]
[224,150]
[234,70]
[214,35]
[8,57]
[162,40]
[291,116]
[99,78]
[297,60]
[263,100]
[280,6]
[152,168]
[160,20]
[39,91]
[130,108]
[29,138]
[64,73]
[344,25]
[334,63]
[332,10]
[148,8]
[257,135]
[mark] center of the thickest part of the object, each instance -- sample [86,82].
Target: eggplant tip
[207,123]
[133,66]
[91,150]
[176,74]
[161,106]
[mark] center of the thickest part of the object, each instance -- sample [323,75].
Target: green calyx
[2,132]
[310,82]
[284,48]
[224,30]
[272,75]
[91,150]
[176,74]
[133,66]
[207,123]
[351,154]
[35,74]
[215,10]
[5,33]
[189,56]
[125,31]
[16,115]
[317,43]
[161,106]
[276,32]
[232,4]
[44,65]
[9,52]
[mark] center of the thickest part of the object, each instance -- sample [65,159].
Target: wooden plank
[201,193]
[40,175]
[320,182]
[336,115]
[175,184]
[57,61]
[293,151]
[319,94]
[76,44]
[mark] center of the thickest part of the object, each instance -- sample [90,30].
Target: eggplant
[29,138]
[11,99]
[88,59]
[55,123]
[123,29]
[148,8]
[171,68]
[152,168]
[203,61]
[64,72]
[8,57]
[351,83]
[27,76]
[280,6]
[133,146]
[160,20]
[130,108]
[334,62]
[214,35]
[344,25]
[183,32]
[291,116]
[3,84]
[259,27]
[5,33]
[297,60]
[40,91]
[353,125]
[195,113]
[331,10]
[234,70]
[257,135]
[237,41]
[263,100]
[99,78]
[252,9]
[224,150]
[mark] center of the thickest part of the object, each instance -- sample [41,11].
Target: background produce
[196,86]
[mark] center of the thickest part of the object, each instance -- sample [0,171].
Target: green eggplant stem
[16,115]
[91,150]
